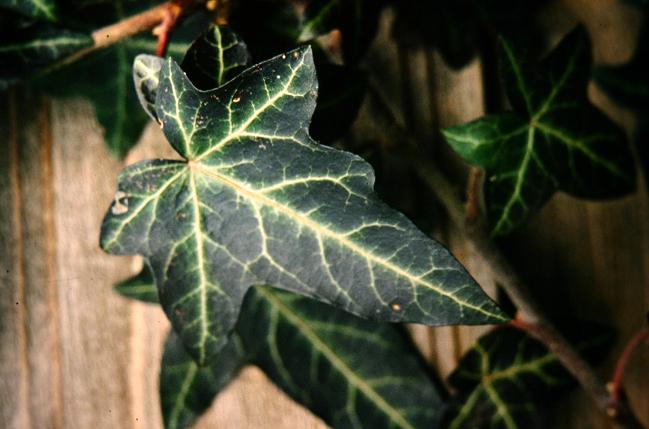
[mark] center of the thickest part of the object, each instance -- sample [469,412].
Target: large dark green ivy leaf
[504,379]
[552,139]
[39,9]
[316,354]
[256,201]
[27,50]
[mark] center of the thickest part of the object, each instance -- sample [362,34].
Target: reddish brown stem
[472,206]
[163,30]
[620,368]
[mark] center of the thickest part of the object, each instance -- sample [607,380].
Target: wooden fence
[74,354]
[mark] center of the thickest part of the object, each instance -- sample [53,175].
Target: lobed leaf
[217,56]
[553,139]
[321,361]
[506,376]
[256,201]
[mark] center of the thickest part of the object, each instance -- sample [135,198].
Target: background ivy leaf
[40,9]
[186,389]
[321,362]
[553,139]
[140,287]
[215,57]
[146,77]
[114,101]
[256,201]
[34,47]
[506,376]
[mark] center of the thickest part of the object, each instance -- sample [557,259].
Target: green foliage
[552,139]
[316,354]
[38,9]
[186,389]
[37,46]
[256,201]
[504,378]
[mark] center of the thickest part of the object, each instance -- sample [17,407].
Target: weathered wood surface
[73,354]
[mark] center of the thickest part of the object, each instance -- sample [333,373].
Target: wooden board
[73,354]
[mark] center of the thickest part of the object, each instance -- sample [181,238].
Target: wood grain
[76,355]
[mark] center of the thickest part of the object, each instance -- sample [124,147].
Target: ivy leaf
[140,287]
[553,139]
[37,46]
[320,361]
[39,9]
[319,356]
[506,374]
[256,201]
[215,57]
[186,389]
[114,101]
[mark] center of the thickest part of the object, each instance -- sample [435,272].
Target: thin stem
[115,33]
[477,233]
[620,368]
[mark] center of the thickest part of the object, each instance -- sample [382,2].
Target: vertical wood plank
[95,323]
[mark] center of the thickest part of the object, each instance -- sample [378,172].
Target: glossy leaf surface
[256,201]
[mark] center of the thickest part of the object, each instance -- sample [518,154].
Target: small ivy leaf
[140,287]
[320,362]
[319,356]
[39,9]
[27,50]
[357,20]
[258,202]
[215,57]
[554,139]
[146,77]
[501,380]
[186,389]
